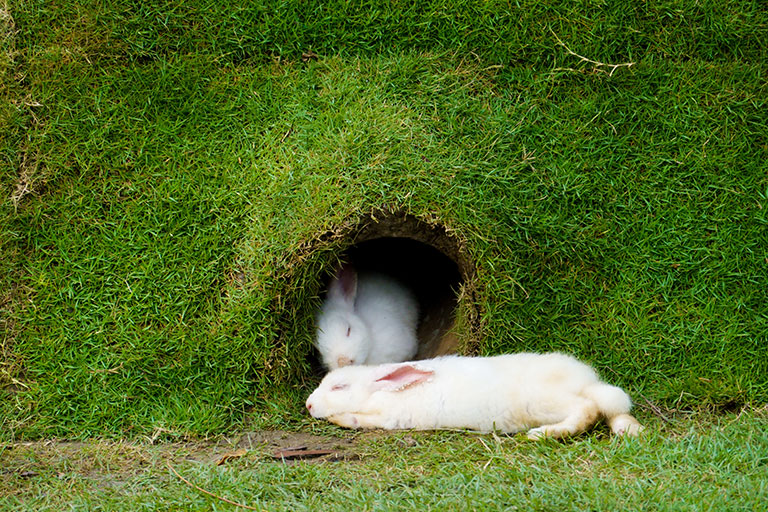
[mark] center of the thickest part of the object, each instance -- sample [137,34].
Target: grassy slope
[181,158]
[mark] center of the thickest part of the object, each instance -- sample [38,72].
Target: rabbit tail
[614,404]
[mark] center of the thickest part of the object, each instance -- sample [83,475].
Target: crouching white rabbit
[368,318]
[549,395]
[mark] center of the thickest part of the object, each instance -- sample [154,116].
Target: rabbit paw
[347,420]
[536,433]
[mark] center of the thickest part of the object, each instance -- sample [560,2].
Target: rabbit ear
[344,285]
[401,377]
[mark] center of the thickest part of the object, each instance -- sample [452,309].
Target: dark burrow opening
[429,260]
[433,277]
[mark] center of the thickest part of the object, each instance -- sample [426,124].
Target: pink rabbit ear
[402,377]
[344,285]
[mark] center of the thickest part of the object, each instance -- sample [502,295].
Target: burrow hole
[427,259]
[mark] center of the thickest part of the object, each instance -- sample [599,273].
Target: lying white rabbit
[366,319]
[551,395]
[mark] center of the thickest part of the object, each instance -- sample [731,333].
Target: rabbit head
[363,389]
[342,335]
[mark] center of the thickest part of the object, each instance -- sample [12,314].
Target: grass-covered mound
[178,182]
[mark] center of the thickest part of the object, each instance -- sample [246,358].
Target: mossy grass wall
[175,178]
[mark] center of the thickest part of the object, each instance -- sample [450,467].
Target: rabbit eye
[339,387]
[349,330]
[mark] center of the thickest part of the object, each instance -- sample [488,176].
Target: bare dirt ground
[112,461]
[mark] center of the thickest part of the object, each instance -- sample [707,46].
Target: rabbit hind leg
[582,414]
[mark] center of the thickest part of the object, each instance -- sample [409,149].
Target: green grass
[168,174]
[694,463]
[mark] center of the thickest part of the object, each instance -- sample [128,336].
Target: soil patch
[109,462]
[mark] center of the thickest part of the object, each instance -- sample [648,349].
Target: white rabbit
[551,395]
[366,319]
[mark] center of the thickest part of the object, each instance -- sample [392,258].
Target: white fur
[366,319]
[546,394]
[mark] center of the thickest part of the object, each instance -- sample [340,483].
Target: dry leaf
[228,457]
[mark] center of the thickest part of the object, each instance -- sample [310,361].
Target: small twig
[107,370]
[566,69]
[485,445]
[655,409]
[17,382]
[225,500]
[596,63]
[26,181]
